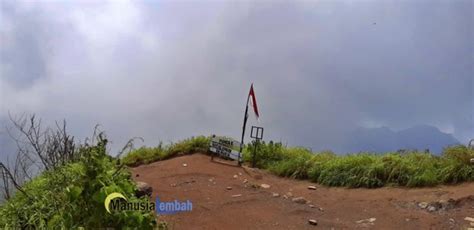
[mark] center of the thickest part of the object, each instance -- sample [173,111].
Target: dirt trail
[205,184]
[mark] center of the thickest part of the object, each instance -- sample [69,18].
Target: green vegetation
[413,169]
[145,155]
[72,196]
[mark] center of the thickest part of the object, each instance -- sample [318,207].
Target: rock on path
[265,186]
[300,200]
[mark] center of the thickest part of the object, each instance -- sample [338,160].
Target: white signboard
[223,146]
[226,142]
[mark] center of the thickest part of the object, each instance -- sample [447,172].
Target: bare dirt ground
[206,184]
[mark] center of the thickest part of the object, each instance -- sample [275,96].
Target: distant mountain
[384,139]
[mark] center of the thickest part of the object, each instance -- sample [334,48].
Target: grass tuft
[146,155]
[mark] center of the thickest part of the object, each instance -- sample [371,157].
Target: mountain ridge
[384,139]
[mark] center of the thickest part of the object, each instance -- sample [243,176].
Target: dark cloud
[166,70]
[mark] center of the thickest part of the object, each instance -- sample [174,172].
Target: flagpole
[243,129]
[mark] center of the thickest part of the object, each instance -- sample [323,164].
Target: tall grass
[413,169]
[145,155]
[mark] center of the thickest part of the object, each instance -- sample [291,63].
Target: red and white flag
[254,101]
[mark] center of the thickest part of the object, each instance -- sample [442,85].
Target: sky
[168,70]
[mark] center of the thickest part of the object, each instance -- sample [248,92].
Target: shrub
[359,170]
[72,196]
[456,166]
[459,153]
[188,146]
[413,169]
[294,163]
[146,155]
[266,153]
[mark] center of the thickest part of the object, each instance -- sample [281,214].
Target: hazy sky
[166,70]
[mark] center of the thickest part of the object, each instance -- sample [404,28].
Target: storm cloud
[168,70]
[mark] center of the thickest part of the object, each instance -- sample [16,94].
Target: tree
[38,149]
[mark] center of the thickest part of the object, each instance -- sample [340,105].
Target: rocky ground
[228,197]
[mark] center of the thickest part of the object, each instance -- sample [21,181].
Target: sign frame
[256,133]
